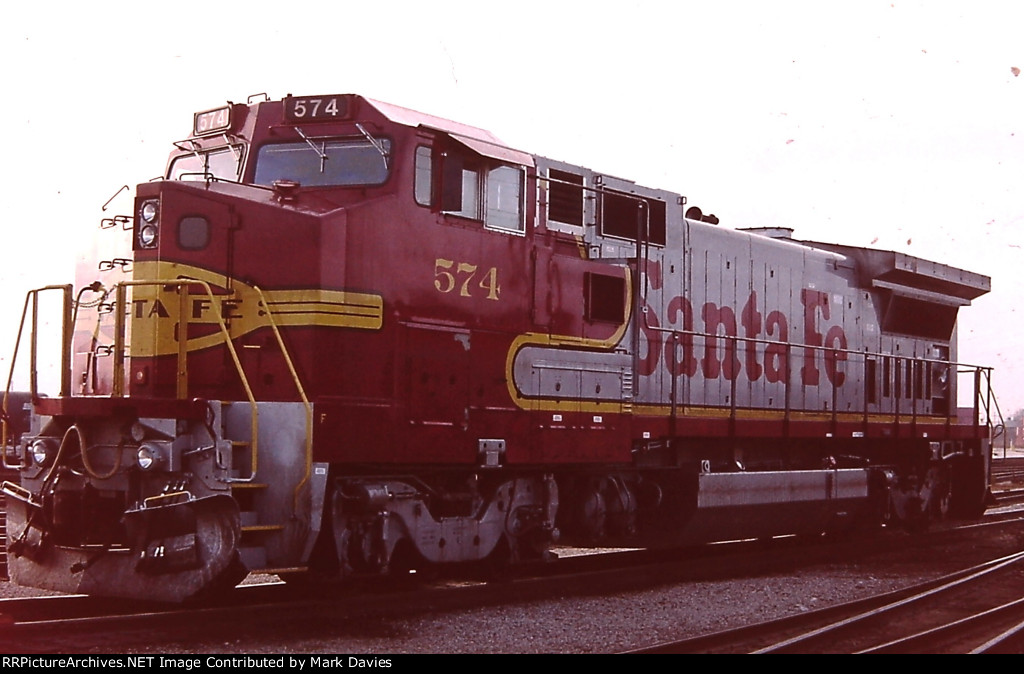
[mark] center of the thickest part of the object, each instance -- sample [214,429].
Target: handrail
[4,417]
[120,293]
[799,345]
[183,283]
[302,393]
[65,357]
[989,401]
[738,342]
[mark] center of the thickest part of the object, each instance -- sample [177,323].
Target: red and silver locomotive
[350,338]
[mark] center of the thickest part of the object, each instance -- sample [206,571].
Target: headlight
[147,223]
[149,212]
[44,451]
[147,236]
[148,456]
[155,455]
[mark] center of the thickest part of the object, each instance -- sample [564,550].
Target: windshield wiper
[375,143]
[320,151]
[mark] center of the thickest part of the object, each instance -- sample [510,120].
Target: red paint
[721,360]
[813,301]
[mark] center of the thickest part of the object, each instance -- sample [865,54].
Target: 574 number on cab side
[465,278]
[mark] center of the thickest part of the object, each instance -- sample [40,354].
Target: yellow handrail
[118,387]
[302,394]
[183,283]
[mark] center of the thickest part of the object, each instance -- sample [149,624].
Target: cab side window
[423,188]
[469,205]
[475,187]
[504,198]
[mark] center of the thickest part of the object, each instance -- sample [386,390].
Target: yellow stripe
[541,339]
[695,412]
[153,325]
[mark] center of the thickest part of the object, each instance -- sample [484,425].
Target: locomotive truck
[343,338]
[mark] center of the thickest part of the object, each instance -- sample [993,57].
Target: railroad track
[1009,471]
[273,610]
[71,624]
[1008,478]
[975,610]
[31,613]
[1008,497]
[41,624]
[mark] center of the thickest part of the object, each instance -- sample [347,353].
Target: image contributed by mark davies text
[196,662]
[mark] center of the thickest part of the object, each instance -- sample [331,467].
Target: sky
[896,125]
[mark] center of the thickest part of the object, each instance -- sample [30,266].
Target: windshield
[334,162]
[222,163]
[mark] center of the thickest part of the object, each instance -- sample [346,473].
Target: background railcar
[342,337]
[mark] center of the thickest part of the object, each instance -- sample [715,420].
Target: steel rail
[976,573]
[918,639]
